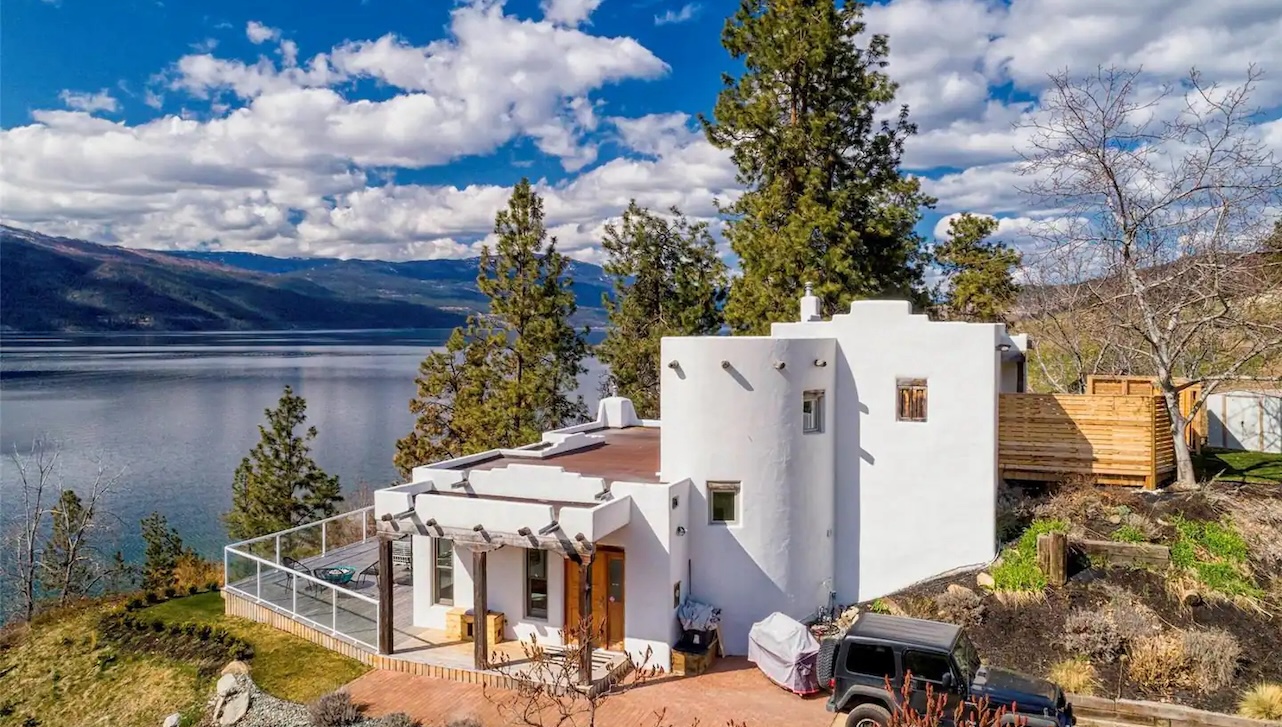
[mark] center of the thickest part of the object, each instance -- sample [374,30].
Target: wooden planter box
[459,623]
[691,664]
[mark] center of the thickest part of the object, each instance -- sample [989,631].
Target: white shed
[1250,420]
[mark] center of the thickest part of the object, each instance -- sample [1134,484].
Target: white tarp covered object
[784,650]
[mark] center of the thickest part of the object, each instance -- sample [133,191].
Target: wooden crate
[687,664]
[1115,440]
[459,623]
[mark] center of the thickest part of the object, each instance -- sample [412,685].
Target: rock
[236,667]
[984,580]
[234,709]
[960,589]
[1190,598]
[227,685]
[172,720]
[1115,519]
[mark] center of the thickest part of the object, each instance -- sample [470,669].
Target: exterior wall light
[673,364]
[681,531]
[725,364]
[1003,347]
[820,363]
[780,365]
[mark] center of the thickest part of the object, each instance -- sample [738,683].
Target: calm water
[177,412]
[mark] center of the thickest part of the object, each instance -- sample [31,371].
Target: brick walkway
[733,690]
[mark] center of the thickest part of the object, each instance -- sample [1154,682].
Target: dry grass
[1092,634]
[1259,521]
[1019,599]
[1262,701]
[1075,676]
[911,606]
[63,675]
[1202,659]
[193,571]
[1131,618]
[961,606]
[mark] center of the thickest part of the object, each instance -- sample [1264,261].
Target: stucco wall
[743,423]
[913,499]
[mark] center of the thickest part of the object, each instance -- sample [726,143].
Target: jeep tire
[868,715]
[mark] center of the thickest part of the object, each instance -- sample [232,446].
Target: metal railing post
[333,624]
[364,527]
[258,580]
[226,570]
[322,537]
[277,548]
[293,608]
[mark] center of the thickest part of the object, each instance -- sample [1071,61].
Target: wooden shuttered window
[911,398]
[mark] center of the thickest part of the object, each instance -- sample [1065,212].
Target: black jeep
[856,666]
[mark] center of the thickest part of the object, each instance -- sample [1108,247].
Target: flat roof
[904,630]
[630,454]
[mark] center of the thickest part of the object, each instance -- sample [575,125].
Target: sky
[392,129]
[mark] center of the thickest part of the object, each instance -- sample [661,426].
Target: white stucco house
[833,460]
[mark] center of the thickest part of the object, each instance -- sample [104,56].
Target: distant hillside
[61,284]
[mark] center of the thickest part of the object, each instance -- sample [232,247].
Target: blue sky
[392,129]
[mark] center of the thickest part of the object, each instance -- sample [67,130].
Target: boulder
[984,580]
[236,667]
[172,720]
[958,588]
[227,684]
[234,709]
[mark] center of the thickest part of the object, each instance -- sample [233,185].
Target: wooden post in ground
[585,615]
[385,595]
[1052,557]
[480,610]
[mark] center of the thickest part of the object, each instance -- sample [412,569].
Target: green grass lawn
[283,665]
[1239,466]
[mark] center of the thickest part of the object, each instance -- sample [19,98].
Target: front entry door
[607,597]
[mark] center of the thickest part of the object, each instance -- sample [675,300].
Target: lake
[175,413]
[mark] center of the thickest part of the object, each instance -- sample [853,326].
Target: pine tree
[826,202]
[278,485]
[68,571]
[163,549]
[978,283]
[507,376]
[668,281]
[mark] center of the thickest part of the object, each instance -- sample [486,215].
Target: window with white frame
[536,583]
[443,572]
[812,412]
[723,503]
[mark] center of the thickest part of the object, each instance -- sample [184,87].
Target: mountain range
[63,284]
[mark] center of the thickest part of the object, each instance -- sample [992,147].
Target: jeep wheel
[868,715]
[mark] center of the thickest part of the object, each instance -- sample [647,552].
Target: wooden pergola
[481,542]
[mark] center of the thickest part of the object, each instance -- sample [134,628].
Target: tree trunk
[1184,474]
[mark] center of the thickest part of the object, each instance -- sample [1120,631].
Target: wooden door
[607,597]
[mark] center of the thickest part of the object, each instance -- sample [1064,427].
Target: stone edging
[1156,714]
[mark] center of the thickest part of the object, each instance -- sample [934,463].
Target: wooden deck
[311,611]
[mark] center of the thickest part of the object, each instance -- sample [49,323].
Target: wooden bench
[459,623]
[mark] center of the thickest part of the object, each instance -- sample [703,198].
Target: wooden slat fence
[1116,440]
[1198,428]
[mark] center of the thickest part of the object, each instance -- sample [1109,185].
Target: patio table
[337,574]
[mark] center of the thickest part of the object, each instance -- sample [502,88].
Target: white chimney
[809,306]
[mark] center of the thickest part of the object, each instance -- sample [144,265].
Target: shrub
[135,604]
[1212,656]
[241,651]
[1215,555]
[204,632]
[961,606]
[1262,701]
[192,590]
[1076,676]
[1129,534]
[911,606]
[1157,662]
[333,710]
[157,626]
[1131,618]
[153,597]
[464,722]
[1093,635]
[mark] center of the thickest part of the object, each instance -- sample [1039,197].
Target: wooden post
[585,614]
[1052,557]
[480,609]
[384,595]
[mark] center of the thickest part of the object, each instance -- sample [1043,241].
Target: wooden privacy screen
[1114,440]
[1197,431]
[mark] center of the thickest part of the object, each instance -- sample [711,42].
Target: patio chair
[370,570]
[297,566]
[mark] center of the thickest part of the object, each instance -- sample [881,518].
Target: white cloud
[90,102]
[259,33]
[686,13]
[568,12]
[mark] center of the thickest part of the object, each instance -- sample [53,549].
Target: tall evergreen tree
[978,284]
[68,571]
[507,376]
[826,201]
[279,485]
[668,281]
[163,548]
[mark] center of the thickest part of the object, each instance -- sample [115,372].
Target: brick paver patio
[732,690]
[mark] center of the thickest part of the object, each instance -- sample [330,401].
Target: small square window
[812,412]
[911,400]
[723,502]
[676,595]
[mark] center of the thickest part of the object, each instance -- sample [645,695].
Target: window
[911,400]
[723,502]
[871,661]
[927,667]
[536,583]
[676,595]
[443,573]
[812,412]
